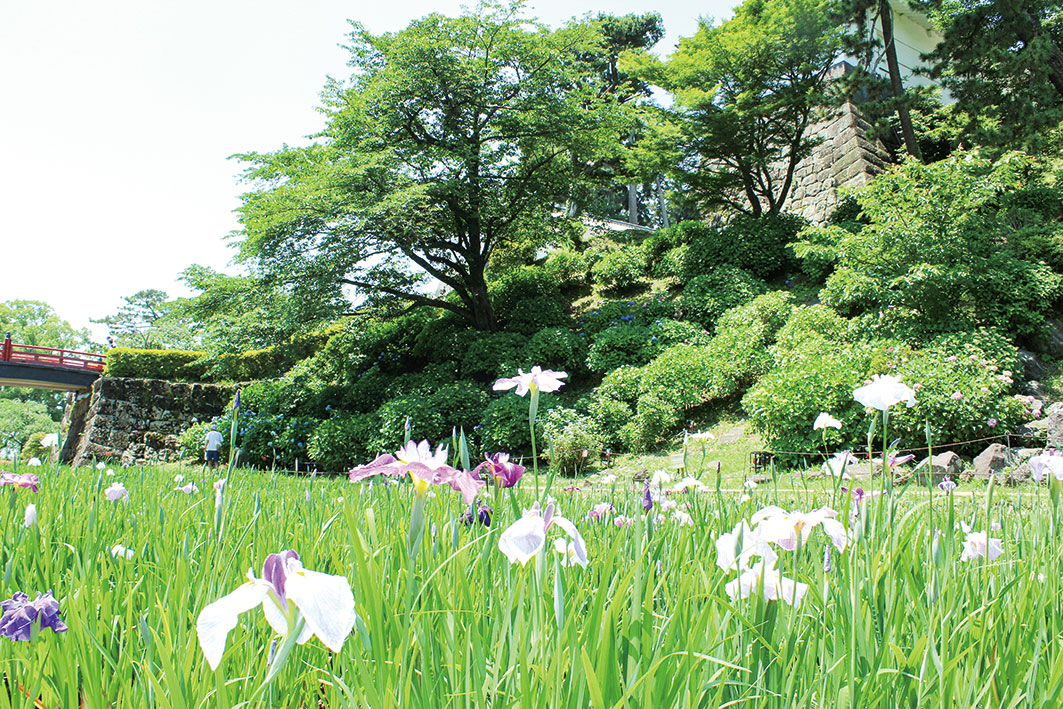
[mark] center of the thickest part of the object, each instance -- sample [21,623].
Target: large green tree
[452,137]
[148,319]
[745,93]
[1003,62]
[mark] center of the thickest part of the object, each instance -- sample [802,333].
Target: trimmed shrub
[806,323]
[759,245]
[633,312]
[433,415]
[621,345]
[345,440]
[821,376]
[672,264]
[534,314]
[573,443]
[505,424]
[621,269]
[171,365]
[706,297]
[568,268]
[555,348]
[488,355]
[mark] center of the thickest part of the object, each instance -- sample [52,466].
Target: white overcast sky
[117,118]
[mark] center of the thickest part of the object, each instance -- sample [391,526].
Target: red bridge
[48,367]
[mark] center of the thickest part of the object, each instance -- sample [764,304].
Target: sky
[118,119]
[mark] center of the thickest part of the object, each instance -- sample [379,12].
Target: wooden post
[6,352]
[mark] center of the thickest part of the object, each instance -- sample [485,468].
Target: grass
[896,621]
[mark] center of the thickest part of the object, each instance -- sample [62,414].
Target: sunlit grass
[896,621]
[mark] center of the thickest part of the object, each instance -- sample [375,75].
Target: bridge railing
[51,357]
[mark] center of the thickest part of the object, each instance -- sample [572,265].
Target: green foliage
[555,348]
[620,345]
[817,376]
[433,411]
[191,442]
[620,270]
[937,253]
[687,378]
[149,320]
[505,428]
[1003,63]
[635,312]
[758,246]
[706,297]
[817,248]
[527,299]
[453,137]
[34,449]
[19,420]
[821,375]
[567,268]
[574,443]
[745,93]
[345,440]
[171,365]
[490,355]
[806,323]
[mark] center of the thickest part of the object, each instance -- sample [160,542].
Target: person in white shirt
[212,442]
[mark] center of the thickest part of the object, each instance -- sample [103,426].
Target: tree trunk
[662,203]
[481,312]
[911,145]
[632,205]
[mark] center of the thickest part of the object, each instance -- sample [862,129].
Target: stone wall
[845,158]
[138,421]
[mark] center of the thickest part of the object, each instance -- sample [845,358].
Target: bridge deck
[48,367]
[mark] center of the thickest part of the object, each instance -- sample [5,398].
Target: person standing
[212,442]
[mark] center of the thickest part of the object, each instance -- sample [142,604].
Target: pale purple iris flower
[1047,462]
[188,488]
[647,498]
[538,379]
[947,485]
[116,492]
[20,614]
[291,597]
[599,511]
[527,536]
[424,468]
[979,545]
[20,480]
[505,473]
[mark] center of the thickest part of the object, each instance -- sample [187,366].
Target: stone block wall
[138,421]
[845,158]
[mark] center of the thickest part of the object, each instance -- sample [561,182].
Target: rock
[1019,474]
[1032,366]
[1052,341]
[990,461]
[942,465]
[761,479]
[1034,388]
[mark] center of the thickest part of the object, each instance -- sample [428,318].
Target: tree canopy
[147,320]
[746,91]
[451,137]
[1003,61]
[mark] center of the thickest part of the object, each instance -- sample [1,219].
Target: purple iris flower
[647,499]
[424,468]
[20,613]
[20,480]
[482,514]
[505,473]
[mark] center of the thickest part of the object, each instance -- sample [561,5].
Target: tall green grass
[898,620]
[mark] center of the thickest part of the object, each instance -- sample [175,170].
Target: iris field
[894,619]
